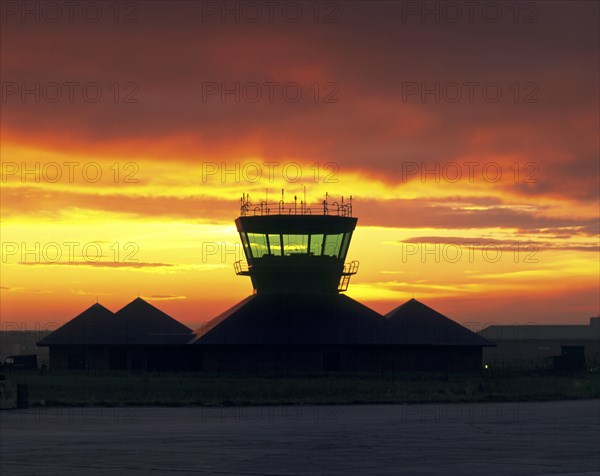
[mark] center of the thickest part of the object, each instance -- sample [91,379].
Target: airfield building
[298,318]
[138,337]
[570,346]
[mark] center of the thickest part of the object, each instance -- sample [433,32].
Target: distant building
[561,346]
[22,342]
[297,320]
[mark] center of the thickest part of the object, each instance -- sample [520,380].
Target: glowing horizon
[485,208]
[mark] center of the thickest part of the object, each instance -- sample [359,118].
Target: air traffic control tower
[299,319]
[296,248]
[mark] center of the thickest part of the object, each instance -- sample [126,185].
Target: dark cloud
[371,53]
[467,213]
[98,264]
[506,245]
[453,212]
[40,202]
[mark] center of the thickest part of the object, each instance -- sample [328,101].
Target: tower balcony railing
[241,268]
[350,269]
[264,208]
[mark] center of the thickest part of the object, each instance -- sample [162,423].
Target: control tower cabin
[296,248]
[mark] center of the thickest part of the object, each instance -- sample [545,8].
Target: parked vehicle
[20,362]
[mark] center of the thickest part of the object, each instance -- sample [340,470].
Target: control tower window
[258,244]
[245,243]
[275,245]
[345,245]
[316,245]
[333,244]
[295,244]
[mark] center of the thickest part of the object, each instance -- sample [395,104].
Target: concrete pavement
[431,439]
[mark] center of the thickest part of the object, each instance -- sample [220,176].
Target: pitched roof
[414,323]
[540,332]
[294,319]
[89,327]
[137,323]
[141,323]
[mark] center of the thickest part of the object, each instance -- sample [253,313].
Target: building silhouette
[296,320]
[566,346]
[137,337]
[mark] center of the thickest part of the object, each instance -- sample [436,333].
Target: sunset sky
[468,139]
